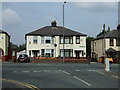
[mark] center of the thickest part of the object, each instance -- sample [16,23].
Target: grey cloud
[9,17]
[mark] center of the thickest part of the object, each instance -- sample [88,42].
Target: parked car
[23,58]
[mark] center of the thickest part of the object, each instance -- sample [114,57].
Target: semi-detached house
[49,41]
[107,45]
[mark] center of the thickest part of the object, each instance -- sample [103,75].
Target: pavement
[66,75]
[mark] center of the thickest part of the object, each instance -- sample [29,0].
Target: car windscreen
[22,56]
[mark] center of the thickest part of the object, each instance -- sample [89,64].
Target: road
[61,75]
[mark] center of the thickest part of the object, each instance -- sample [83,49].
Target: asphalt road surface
[68,75]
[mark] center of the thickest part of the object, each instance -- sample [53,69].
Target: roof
[55,31]
[111,34]
[1,31]
[13,46]
[110,50]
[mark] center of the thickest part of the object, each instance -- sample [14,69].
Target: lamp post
[63,33]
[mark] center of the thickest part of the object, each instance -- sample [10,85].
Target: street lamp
[63,33]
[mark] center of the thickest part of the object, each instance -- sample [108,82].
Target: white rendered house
[49,41]
[106,45]
[4,44]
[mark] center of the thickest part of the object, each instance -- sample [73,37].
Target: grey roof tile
[111,34]
[55,31]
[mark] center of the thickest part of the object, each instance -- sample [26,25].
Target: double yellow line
[32,87]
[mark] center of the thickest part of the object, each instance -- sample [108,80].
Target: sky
[20,18]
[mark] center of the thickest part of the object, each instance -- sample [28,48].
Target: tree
[104,31]
[88,45]
[21,47]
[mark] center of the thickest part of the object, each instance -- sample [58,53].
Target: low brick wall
[59,60]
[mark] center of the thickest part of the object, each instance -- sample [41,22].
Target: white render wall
[101,47]
[4,43]
[39,46]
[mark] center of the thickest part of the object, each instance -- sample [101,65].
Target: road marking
[32,87]
[36,71]
[95,71]
[77,70]
[99,72]
[66,72]
[114,76]
[90,70]
[25,71]
[15,71]
[82,80]
[39,71]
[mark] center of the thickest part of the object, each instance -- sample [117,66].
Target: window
[42,51]
[52,52]
[67,40]
[67,53]
[61,40]
[48,52]
[77,39]
[42,39]
[29,52]
[71,40]
[47,39]
[118,41]
[111,42]
[71,53]
[35,39]
[61,52]
[52,41]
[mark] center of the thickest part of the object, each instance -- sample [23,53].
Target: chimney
[53,23]
[118,27]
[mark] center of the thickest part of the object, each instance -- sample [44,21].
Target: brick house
[4,45]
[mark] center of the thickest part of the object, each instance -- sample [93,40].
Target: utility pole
[63,33]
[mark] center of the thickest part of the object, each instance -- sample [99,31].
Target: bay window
[67,52]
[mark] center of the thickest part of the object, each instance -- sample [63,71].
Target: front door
[77,54]
[35,53]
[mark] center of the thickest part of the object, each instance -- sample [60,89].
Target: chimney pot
[53,23]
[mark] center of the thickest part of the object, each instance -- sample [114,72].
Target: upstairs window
[77,39]
[35,40]
[47,39]
[111,42]
[61,40]
[67,40]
